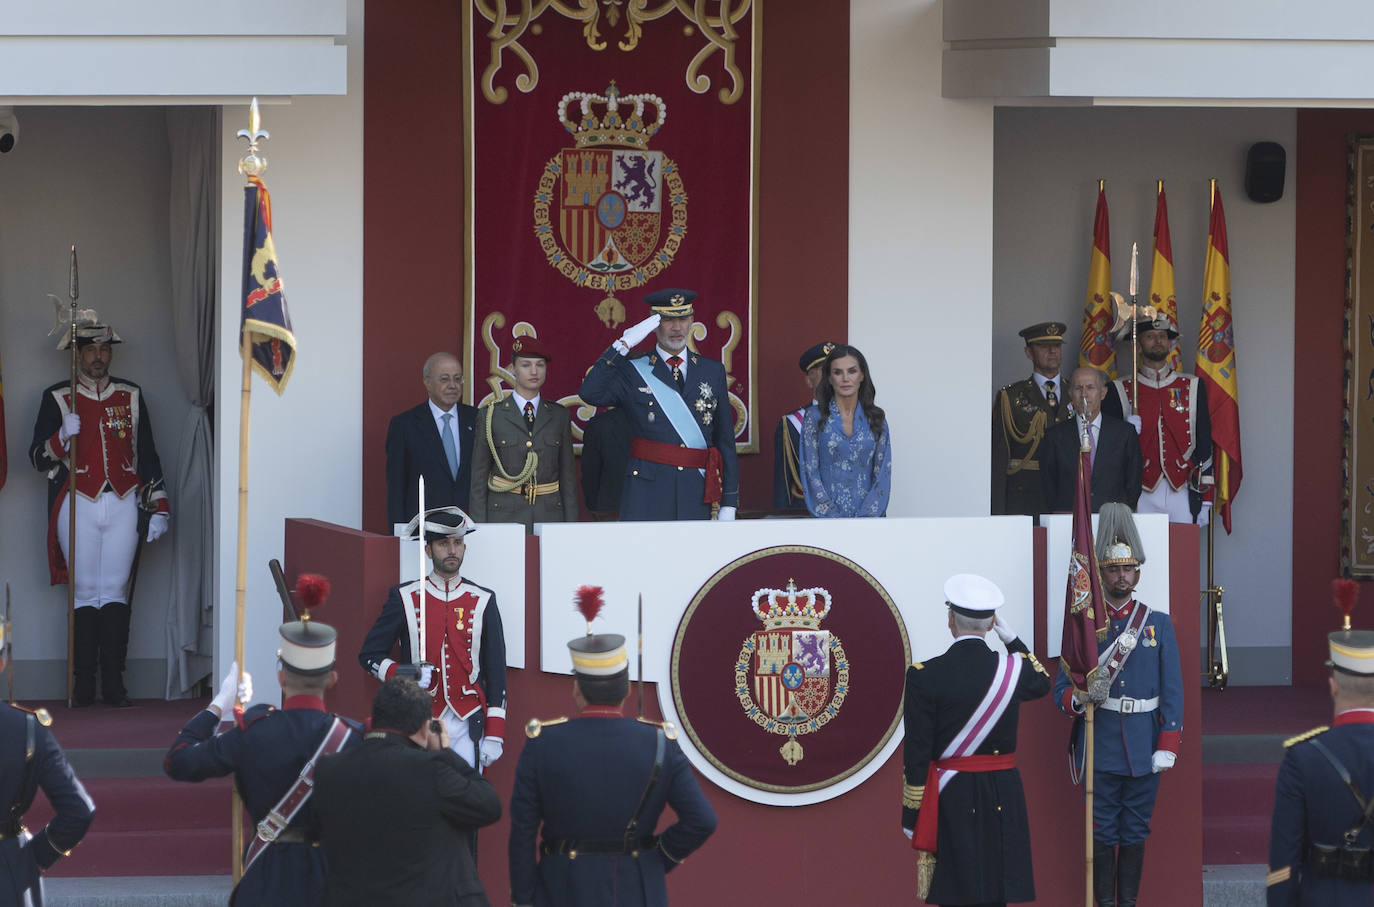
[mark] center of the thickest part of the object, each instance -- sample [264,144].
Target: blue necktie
[450,448]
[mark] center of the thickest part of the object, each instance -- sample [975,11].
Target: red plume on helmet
[1345,593]
[589,601]
[311,590]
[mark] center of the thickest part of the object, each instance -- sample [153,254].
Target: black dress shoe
[122,702]
[79,703]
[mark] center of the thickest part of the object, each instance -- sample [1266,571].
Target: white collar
[439,413]
[520,401]
[683,354]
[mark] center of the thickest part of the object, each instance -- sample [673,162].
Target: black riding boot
[85,644]
[1104,874]
[114,646]
[1129,866]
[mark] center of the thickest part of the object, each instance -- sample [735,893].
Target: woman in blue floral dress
[846,449]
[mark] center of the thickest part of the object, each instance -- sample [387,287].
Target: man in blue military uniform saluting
[682,452]
[272,753]
[967,812]
[597,786]
[1323,830]
[31,759]
[1134,739]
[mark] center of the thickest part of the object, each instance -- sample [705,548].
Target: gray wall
[1048,161]
[97,177]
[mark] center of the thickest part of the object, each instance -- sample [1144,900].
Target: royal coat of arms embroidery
[791,677]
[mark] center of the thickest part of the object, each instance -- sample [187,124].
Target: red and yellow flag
[1216,362]
[1162,274]
[1097,346]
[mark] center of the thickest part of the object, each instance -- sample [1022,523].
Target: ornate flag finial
[253,164]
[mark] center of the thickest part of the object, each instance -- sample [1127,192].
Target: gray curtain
[193,139]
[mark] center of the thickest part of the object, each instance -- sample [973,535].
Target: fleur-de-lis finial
[252,163]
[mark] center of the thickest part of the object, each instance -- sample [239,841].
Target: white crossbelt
[1129,706]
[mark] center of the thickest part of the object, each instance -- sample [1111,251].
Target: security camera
[9,130]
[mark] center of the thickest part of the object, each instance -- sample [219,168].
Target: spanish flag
[266,324]
[1216,362]
[1162,274]
[1097,346]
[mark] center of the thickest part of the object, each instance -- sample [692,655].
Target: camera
[9,130]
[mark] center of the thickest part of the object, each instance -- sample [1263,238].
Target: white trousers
[106,539]
[1164,499]
[459,736]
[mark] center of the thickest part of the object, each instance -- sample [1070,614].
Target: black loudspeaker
[1264,168]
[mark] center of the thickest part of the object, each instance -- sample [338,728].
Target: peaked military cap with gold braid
[671,303]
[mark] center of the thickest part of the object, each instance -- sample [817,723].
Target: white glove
[1004,632]
[1135,422]
[223,703]
[424,676]
[71,426]
[1161,760]
[491,749]
[726,515]
[1204,516]
[157,526]
[909,832]
[635,333]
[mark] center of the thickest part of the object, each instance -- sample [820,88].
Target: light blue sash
[673,406]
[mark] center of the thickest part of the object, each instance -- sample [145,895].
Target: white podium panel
[1154,576]
[668,563]
[495,558]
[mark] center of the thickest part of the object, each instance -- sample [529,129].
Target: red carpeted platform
[149,723]
[1265,710]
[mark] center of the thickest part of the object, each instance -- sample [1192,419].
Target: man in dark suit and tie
[1115,450]
[433,440]
[682,450]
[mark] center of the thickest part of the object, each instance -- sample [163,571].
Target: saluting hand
[634,334]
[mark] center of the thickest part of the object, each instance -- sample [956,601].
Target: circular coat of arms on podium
[788,669]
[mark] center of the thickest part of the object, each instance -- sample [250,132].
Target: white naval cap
[973,595]
[1352,651]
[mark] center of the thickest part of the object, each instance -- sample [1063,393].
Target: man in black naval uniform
[596,786]
[961,795]
[1021,412]
[682,450]
[272,753]
[787,482]
[1323,828]
[31,759]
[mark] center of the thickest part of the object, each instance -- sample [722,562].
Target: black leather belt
[573,847]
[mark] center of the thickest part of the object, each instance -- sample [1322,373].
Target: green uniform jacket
[1017,429]
[512,439]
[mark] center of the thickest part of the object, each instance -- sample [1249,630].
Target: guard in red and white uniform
[117,470]
[1174,427]
[451,644]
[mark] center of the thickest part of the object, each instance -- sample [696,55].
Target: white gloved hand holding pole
[636,333]
[157,526]
[71,427]
[1162,760]
[223,703]
[1135,422]
[726,515]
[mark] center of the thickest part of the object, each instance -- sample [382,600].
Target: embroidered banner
[1357,542]
[583,195]
[788,669]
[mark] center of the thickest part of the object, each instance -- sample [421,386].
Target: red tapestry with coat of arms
[585,195]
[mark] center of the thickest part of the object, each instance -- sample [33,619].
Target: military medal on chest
[706,403]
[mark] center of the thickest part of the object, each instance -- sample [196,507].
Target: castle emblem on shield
[609,212]
[791,677]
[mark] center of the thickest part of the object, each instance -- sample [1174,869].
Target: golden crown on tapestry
[601,123]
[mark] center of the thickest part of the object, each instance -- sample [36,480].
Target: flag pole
[73,291]
[250,165]
[1135,347]
[1088,796]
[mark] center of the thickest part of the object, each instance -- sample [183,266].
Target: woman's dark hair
[400,705]
[609,690]
[825,393]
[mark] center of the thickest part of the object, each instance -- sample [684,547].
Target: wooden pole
[71,511]
[1088,798]
[241,579]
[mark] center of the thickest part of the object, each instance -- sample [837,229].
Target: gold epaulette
[535,727]
[918,666]
[912,794]
[1035,662]
[1305,735]
[669,729]
[43,715]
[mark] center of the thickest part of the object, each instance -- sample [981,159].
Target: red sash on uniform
[928,820]
[707,459]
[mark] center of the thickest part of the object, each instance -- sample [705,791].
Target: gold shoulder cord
[500,480]
[1033,434]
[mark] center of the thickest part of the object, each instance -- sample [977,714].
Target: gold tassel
[925,873]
